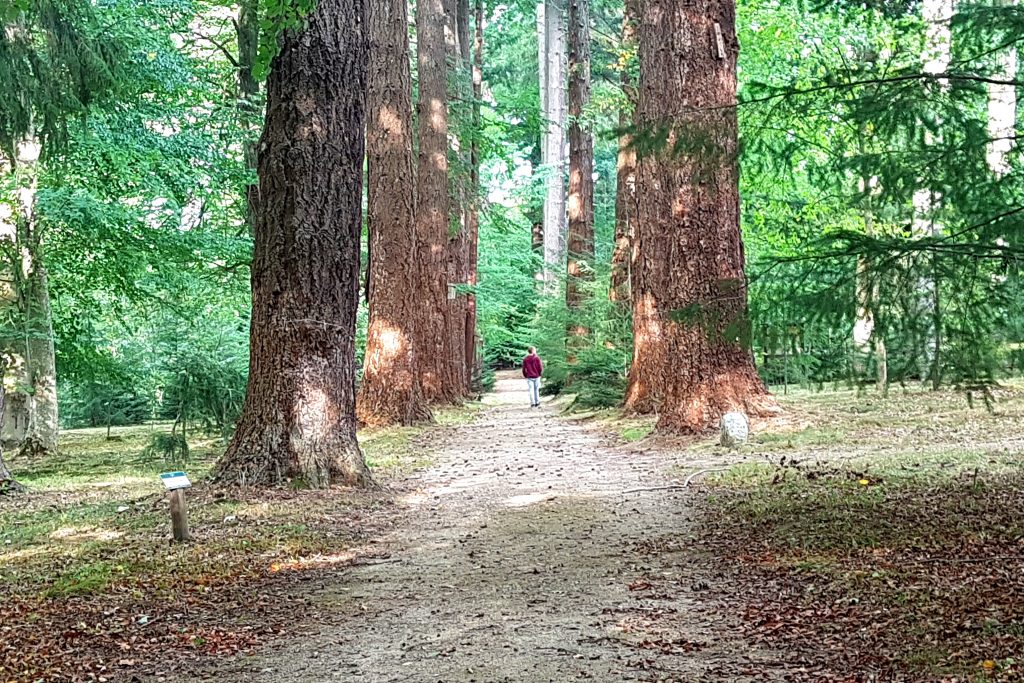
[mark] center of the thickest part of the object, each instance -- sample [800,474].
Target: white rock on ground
[735,429]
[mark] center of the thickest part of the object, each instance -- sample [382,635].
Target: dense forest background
[880,186]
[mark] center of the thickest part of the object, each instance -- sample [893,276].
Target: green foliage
[170,448]
[276,17]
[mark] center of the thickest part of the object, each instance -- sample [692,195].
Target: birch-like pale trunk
[935,58]
[554,100]
[1002,107]
[32,290]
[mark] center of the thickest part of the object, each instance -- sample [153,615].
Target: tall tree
[460,109]
[1002,105]
[581,159]
[299,418]
[440,378]
[391,392]
[927,201]
[57,60]
[553,57]
[247,32]
[690,297]
[473,221]
[625,168]
[868,340]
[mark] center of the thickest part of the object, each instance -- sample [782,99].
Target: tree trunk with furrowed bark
[299,421]
[581,165]
[391,392]
[625,171]
[691,362]
[439,374]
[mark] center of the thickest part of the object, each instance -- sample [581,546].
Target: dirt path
[521,560]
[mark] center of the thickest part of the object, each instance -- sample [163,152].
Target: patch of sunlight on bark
[392,341]
[312,410]
[388,120]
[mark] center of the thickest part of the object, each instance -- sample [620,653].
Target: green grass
[96,517]
[634,434]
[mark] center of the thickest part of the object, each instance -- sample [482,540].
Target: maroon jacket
[532,367]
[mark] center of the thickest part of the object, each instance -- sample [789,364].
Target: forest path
[521,559]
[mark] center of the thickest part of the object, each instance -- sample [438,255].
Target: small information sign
[175,480]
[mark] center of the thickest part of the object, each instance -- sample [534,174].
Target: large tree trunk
[299,418]
[690,299]
[440,377]
[32,288]
[460,111]
[581,162]
[247,32]
[625,172]
[391,392]
[554,115]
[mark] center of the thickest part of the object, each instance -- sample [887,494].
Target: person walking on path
[532,370]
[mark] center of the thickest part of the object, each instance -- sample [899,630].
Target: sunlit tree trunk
[1002,107]
[390,392]
[440,377]
[691,362]
[299,421]
[625,185]
[581,163]
[32,289]
[554,116]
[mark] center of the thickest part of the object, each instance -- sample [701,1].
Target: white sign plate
[175,480]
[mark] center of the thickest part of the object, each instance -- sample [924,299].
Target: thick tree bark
[390,392]
[690,297]
[625,181]
[247,31]
[440,377]
[299,421]
[460,113]
[581,162]
[554,115]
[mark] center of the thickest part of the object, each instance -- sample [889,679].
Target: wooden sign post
[176,483]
